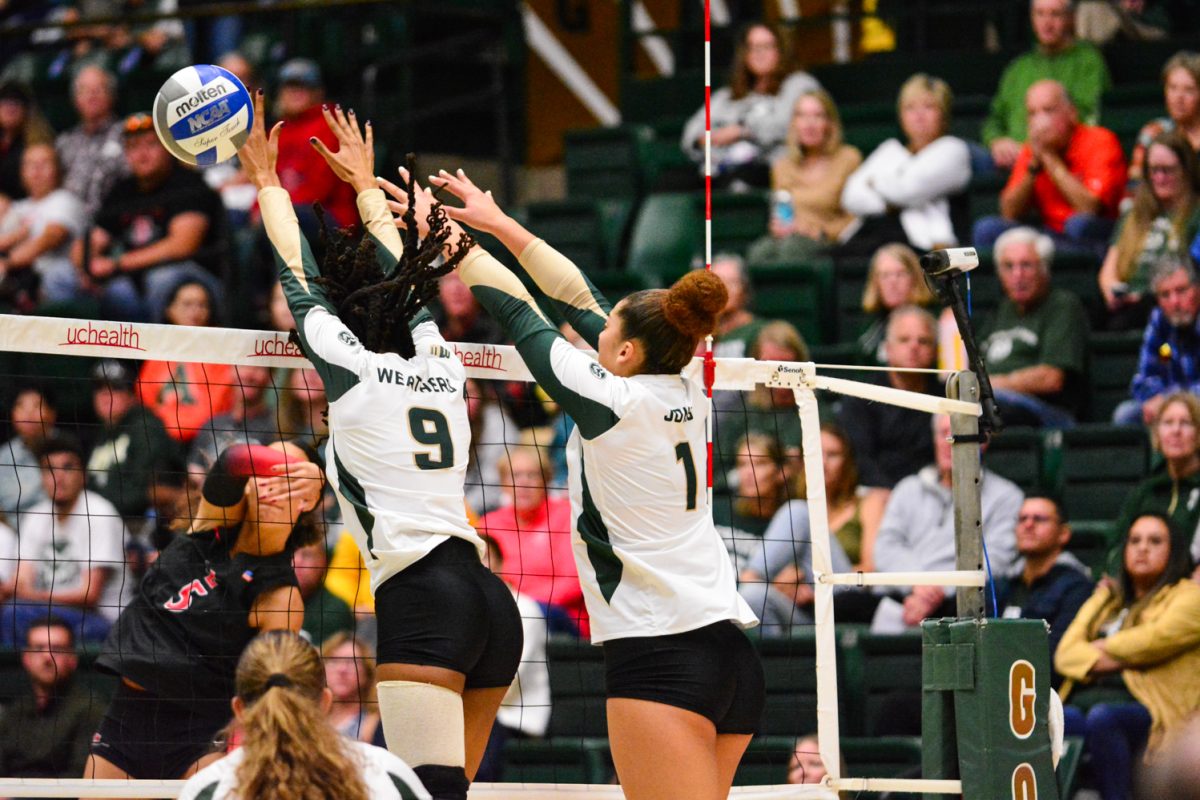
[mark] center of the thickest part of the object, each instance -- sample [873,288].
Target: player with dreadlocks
[449,631]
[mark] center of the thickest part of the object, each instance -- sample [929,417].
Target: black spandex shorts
[449,610]
[712,671]
[151,738]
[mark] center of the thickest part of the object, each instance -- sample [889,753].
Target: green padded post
[939,755]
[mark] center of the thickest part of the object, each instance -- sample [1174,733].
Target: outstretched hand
[479,209]
[354,162]
[422,201]
[260,152]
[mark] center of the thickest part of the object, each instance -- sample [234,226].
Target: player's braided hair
[376,307]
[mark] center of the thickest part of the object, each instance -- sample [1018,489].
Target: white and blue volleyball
[202,114]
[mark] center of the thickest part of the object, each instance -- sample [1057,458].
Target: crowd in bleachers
[1087,304]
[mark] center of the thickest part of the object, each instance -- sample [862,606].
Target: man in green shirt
[1036,350]
[1078,66]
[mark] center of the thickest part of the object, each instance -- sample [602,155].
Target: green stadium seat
[867,136]
[574,227]
[616,285]
[1113,362]
[790,670]
[577,686]
[875,667]
[646,100]
[799,293]
[738,220]
[667,238]
[605,162]
[1068,766]
[1097,466]
[1016,454]
[1091,542]
[849,281]
[557,761]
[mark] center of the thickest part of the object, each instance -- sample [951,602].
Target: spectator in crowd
[156,228]
[1130,658]
[324,612]
[805,766]
[525,710]
[493,432]
[533,533]
[762,482]
[895,280]
[36,235]
[1173,489]
[71,554]
[1070,175]
[749,117]
[350,676]
[9,552]
[1048,582]
[1181,91]
[811,175]
[1036,349]
[21,125]
[1162,222]
[228,179]
[1077,66]
[890,442]
[131,448]
[1101,21]
[250,420]
[303,406]
[32,420]
[1169,359]
[91,152]
[186,395]
[917,533]
[459,316]
[913,191]
[737,326]
[45,733]
[302,170]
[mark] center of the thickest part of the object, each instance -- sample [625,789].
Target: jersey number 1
[683,452]
[429,427]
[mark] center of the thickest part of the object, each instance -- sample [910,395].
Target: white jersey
[386,776]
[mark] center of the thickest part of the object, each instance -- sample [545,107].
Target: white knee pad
[423,723]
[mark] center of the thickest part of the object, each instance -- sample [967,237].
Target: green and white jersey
[650,560]
[399,435]
[387,777]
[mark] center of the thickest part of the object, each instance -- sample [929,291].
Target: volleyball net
[558,747]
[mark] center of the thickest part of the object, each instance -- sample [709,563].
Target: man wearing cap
[154,229]
[132,445]
[302,171]
[91,151]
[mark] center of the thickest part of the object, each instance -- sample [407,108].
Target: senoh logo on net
[120,337]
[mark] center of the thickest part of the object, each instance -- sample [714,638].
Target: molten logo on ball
[200,98]
[202,114]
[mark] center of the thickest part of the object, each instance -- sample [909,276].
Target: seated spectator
[1130,658]
[749,117]
[1162,222]
[21,125]
[36,235]
[72,552]
[304,407]
[131,447]
[1036,349]
[1069,175]
[891,442]
[1101,21]
[91,152]
[812,173]
[533,533]
[737,326]
[1058,56]
[154,229]
[302,170]
[1169,360]
[1181,95]
[854,513]
[46,731]
[917,534]
[1173,488]
[492,434]
[525,710]
[250,420]
[895,280]
[913,191]
[324,612]
[459,316]
[762,482]
[32,421]
[350,676]
[1047,582]
[806,766]
[184,395]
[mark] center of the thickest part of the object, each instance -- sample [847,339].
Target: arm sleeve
[858,196]
[942,168]
[1150,378]
[1174,630]
[1075,655]
[582,387]
[381,227]
[569,291]
[293,257]
[693,129]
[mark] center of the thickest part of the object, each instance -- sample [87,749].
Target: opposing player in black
[176,645]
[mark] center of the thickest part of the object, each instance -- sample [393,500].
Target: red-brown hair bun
[692,304]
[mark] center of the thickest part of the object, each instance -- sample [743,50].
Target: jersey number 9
[429,427]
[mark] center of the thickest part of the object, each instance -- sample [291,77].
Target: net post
[966,490]
[828,733]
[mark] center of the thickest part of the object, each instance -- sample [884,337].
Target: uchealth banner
[146,342]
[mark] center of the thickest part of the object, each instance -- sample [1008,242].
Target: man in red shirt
[1071,176]
[302,170]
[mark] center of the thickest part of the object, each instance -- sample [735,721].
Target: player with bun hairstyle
[289,750]
[685,687]
[450,634]
[210,591]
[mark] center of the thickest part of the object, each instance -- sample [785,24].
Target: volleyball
[202,114]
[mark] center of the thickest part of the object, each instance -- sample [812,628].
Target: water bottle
[781,206]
